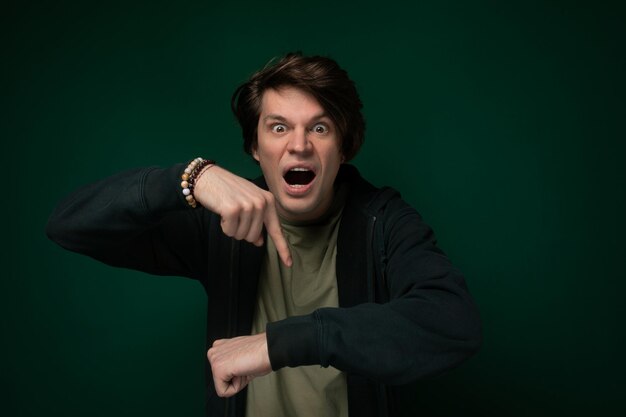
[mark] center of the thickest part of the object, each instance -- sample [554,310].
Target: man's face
[298,150]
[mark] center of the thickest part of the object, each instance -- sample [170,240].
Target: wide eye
[320,128]
[279,128]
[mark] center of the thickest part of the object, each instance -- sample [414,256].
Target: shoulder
[394,217]
[373,201]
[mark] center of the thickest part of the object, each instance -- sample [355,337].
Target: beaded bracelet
[190,175]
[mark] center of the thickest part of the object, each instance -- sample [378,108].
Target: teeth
[298,185]
[298,169]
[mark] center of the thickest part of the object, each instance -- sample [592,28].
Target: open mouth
[299,177]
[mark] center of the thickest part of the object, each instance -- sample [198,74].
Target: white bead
[186,191]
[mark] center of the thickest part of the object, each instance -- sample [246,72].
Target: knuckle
[260,204]
[246,207]
[231,211]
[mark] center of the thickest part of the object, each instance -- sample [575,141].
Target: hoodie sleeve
[136,219]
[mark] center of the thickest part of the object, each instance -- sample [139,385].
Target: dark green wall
[502,122]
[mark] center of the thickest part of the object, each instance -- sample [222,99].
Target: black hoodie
[404,311]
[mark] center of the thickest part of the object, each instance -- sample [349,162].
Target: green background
[501,122]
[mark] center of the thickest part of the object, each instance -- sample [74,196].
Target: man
[309,265]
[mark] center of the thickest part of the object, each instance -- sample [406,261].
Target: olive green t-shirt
[311,283]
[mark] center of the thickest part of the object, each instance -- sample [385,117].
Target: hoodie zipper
[233,285]
[371,273]
[383,406]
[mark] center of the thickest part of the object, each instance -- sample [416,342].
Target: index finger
[272,224]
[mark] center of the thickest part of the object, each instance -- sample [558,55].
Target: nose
[299,141]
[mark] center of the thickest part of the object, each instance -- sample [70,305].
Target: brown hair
[319,76]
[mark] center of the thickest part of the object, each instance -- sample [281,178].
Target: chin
[297,210]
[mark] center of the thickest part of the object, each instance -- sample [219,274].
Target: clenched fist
[243,206]
[235,362]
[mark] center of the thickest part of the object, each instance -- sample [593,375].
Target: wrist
[190,176]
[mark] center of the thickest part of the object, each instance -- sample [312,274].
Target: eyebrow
[274,117]
[279,118]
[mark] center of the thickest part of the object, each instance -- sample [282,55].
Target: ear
[255,154]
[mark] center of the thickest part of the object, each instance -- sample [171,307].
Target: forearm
[394,343]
